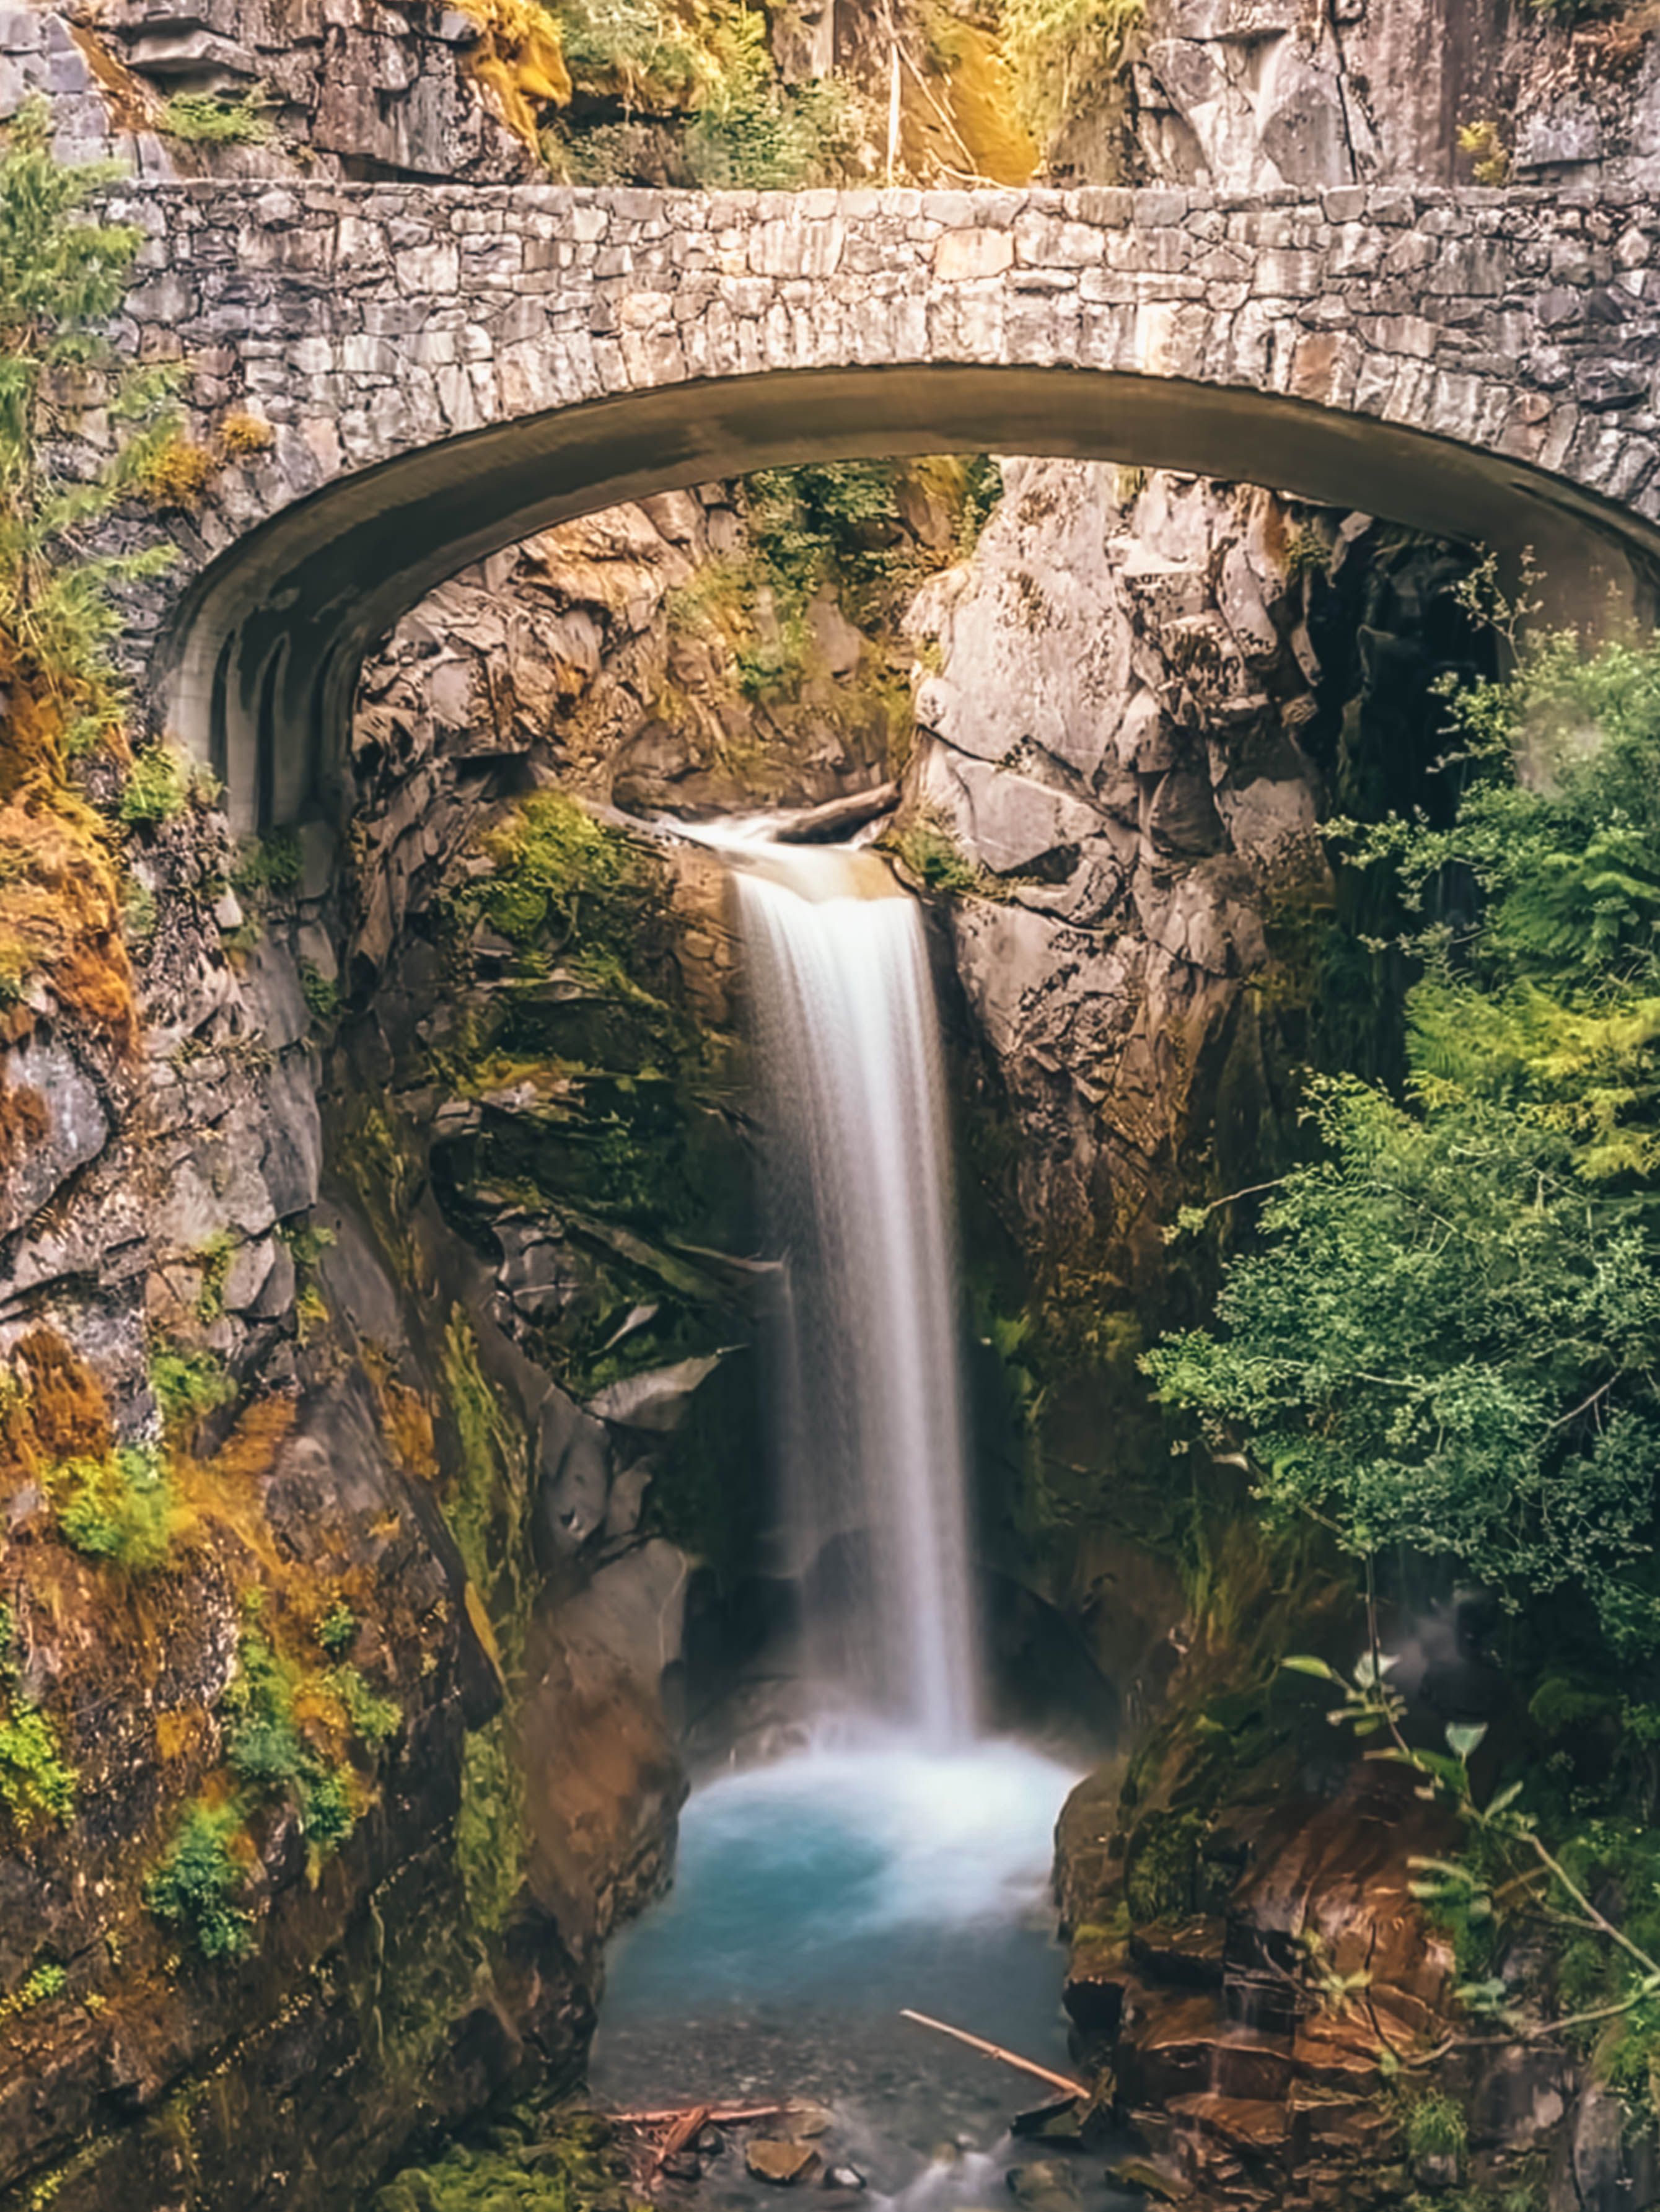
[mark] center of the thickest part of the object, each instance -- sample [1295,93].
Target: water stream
[903,1861]
[869,1396]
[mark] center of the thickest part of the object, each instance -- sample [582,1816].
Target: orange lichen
[406,1419]
[54,1410]
[60,904]
[180,1734]
[243,434]
[25,1120]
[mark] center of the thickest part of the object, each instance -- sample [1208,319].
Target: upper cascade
[869,1390]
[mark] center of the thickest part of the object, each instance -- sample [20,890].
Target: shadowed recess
[257,671]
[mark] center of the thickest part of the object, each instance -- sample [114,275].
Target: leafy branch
[1371,1705]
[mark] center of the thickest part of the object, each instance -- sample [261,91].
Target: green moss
[206,118]
[490,1826]
[273,864]
[487,1504]
[336,1631]
[161,782]
[534,2161]
[1161,1874]
[187,1385]
[41,1984]
[214,1259]
[37,1784]
[196,1885]
[374,1720]
[320,992]
[119,1508]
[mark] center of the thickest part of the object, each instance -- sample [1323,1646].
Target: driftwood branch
[996,2050]
[822,825]
[711,2115]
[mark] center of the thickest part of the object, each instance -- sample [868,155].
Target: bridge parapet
[1471,362]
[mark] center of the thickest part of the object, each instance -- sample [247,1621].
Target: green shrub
[209,119]
[336,1631]
[927,848]
[320,992]
[119,1508]
[1436,2127]
[195,1885]
[186,1385]
[160,785]
[36,1783]
[375,1719]
[62,276]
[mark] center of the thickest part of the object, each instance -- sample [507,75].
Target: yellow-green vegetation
[337,1629]
[209,119]
[63,275]
[37,1784]
[161,783]
[1490,157]
[117,1508]
[925,845]
[41,1984]
[175,475]
[704,74]
[187,1386]
[1058,50]
[487,1504]
[534,2160]
[289,1730]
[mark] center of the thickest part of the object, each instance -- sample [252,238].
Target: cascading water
[869,1391]
[903,1861]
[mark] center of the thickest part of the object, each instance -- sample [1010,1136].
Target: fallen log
[720,2116]
[685,2128]
[996,2050]
[822,825]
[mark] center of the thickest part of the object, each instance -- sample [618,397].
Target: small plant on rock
[198,1880]
[37,1784]
[119,1508]
[1490,159]
[207,118]
[175,475]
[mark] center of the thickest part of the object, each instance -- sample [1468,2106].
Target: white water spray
[857,1179]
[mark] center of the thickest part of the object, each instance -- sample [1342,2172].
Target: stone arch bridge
[446,369]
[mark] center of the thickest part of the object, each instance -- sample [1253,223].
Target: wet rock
[1138,2177]
[1047,2185]
[776,2159]
[682,2165]
[809,2121]
[844,2177]
[1052,2122]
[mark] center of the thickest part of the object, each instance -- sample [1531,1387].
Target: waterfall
[870,1415]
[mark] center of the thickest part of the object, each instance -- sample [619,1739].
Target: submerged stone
[775,2159]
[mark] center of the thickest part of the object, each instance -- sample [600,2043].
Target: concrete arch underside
[260,663]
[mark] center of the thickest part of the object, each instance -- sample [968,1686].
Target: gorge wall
[393,1177]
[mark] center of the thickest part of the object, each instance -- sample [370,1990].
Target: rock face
[1112,735]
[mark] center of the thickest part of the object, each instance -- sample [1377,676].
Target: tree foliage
[63,276]
[1449,1333]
